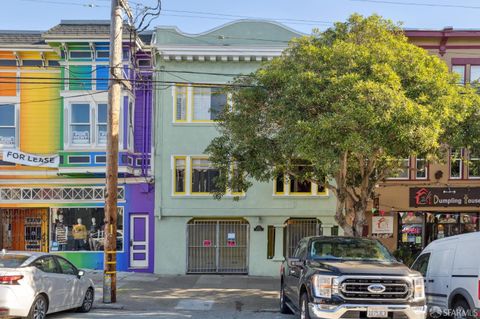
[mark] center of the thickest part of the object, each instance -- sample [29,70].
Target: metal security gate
[24,229]
[296,229]
[217,246]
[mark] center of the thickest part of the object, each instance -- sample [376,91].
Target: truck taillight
[10,280]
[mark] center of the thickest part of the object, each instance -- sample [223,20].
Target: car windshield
[12,261]
[349,249]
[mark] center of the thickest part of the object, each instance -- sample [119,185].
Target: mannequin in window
[79,232]
[92,233]
[61,231]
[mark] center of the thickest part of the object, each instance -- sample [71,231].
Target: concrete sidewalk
[191,293]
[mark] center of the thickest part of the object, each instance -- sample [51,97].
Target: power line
[423,4]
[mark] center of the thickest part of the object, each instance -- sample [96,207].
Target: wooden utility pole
[114,98]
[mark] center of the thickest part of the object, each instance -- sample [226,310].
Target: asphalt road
[178,314]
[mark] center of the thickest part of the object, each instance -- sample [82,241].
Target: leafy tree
[340,108]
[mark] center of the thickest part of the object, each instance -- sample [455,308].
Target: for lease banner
[17,157]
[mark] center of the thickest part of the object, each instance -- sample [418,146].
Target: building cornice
[218,53]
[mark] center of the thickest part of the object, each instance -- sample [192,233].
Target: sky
[195,16]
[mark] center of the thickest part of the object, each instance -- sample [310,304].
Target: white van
[451,268]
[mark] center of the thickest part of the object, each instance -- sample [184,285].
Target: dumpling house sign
[444,196]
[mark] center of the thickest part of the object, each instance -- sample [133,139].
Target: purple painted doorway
[139,234]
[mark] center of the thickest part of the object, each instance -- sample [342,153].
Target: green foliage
[347,104]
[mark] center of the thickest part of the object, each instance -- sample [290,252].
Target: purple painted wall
[140,199]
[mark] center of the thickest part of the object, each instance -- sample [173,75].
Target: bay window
[102,124]
[87,125]
[8,127]
[80,124]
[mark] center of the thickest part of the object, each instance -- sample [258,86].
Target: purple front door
[138,241]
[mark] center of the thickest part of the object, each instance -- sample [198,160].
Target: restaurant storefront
[421,215]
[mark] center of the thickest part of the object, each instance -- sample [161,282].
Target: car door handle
[431,280]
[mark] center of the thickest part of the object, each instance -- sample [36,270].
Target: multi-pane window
[87,125]
[203,176]
[403,171]
[7,126]
[474,165]
[198,103]
[420,168]
[196,175]
[102,124]
[80,124]
[130,138]
[180,168]
[474,73]
[208,103]
[295,186]
[299,186]
[181,103]
[460,70]
[455,163]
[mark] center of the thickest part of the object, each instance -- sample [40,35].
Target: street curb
[111,306]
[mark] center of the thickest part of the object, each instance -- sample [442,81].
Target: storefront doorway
[418,229]
[24,229]
[217,246]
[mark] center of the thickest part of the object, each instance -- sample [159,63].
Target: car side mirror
[80,274]
[295,262]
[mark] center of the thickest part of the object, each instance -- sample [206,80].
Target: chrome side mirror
[80,274]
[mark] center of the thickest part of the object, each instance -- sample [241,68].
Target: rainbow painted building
[53,107]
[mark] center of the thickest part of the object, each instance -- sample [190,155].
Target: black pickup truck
[347,278]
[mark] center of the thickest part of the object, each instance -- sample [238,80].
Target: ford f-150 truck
[347,278]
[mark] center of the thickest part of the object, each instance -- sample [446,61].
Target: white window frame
[94,145]
[71,58]
[457,66]
[408,171]
[130,124]
[189,104]
[16,119]
[472,159]
[188,178]
[98,123]
[90,125]
[416,168]
[450,164]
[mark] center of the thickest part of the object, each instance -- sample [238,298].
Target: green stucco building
[196,233]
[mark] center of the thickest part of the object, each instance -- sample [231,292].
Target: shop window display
[81,229]
[441,225]
[411,230]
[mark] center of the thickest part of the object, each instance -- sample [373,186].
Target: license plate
[377,312]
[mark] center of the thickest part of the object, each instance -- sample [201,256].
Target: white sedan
[34,284]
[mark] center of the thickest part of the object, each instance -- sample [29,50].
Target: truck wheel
[304,312]
[283,302]
[461,310]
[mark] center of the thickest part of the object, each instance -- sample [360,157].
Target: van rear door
[439,276]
